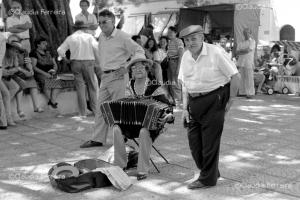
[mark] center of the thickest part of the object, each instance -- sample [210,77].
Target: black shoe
[53,105]
[197,185]
[3,127]
[91,143]
[88,106]
[141,176]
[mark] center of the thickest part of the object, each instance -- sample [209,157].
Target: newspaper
[117,177]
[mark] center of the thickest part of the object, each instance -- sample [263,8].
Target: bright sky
[288,12]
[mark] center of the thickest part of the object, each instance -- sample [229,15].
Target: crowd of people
[179,69]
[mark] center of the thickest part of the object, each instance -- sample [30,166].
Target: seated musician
[141,84]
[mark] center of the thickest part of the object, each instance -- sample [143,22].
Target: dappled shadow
[260,140]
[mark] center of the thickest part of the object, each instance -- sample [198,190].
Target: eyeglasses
[135,68]
[104,21]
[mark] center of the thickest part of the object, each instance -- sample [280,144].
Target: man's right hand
[185,117]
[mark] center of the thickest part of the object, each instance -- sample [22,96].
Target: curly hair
[154,48]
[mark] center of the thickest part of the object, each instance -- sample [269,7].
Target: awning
[293,45]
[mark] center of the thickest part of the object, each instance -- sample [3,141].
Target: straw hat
[63,170]
[139,58]
[191,30]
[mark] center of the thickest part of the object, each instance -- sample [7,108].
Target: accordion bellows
[130,111]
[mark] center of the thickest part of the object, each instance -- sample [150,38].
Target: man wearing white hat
[209,83]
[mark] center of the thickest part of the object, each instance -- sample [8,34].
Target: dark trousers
[205,130]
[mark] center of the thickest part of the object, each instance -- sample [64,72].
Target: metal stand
[150,158]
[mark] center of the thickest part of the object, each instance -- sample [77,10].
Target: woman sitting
[17,58]
[45,68]
[6,100]
[140,85]
[10,68]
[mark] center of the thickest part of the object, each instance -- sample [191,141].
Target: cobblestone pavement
[259,156]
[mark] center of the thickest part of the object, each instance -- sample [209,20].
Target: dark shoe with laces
[91,143]
[197,185]
[53,105]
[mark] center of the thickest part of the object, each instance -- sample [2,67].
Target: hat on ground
[191,30]
[63,170]
[80,25]
[139,58]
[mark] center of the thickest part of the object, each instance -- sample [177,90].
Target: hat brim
[183,36]
[66,171]
[150,62]
[20,48]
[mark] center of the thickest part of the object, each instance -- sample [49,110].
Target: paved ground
[259,156]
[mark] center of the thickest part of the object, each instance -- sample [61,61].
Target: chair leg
[154,165]
[160,154]
[150,158]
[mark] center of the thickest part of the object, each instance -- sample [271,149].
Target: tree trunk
[50,19]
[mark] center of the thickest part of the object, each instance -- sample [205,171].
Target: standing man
[115,48]
[175,51]
[88,19]
[19,24]
[209,84]
[83,48]
[245,52]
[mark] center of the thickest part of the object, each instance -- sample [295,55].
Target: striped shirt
[174,46]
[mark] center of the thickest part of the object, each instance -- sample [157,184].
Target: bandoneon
[131,111]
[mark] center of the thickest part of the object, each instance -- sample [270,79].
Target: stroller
[274,69]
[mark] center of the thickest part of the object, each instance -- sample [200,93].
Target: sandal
[21,114]
[53,105]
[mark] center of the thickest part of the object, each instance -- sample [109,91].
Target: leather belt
[201,94]
[24,39]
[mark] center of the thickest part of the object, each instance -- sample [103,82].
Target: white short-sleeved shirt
[115,50]
[246,60]
[81,46]
[91,19]
[13,20]
[212,69]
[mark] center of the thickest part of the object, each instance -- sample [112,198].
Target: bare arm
[34,62]
[20,27]
[55,65]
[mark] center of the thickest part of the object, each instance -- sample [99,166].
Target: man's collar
[81,13]
[203,51]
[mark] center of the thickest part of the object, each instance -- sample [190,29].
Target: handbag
[164,63]
[86,179]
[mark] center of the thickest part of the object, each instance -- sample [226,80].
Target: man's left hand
[167,118]
[228,105]
[27,60]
